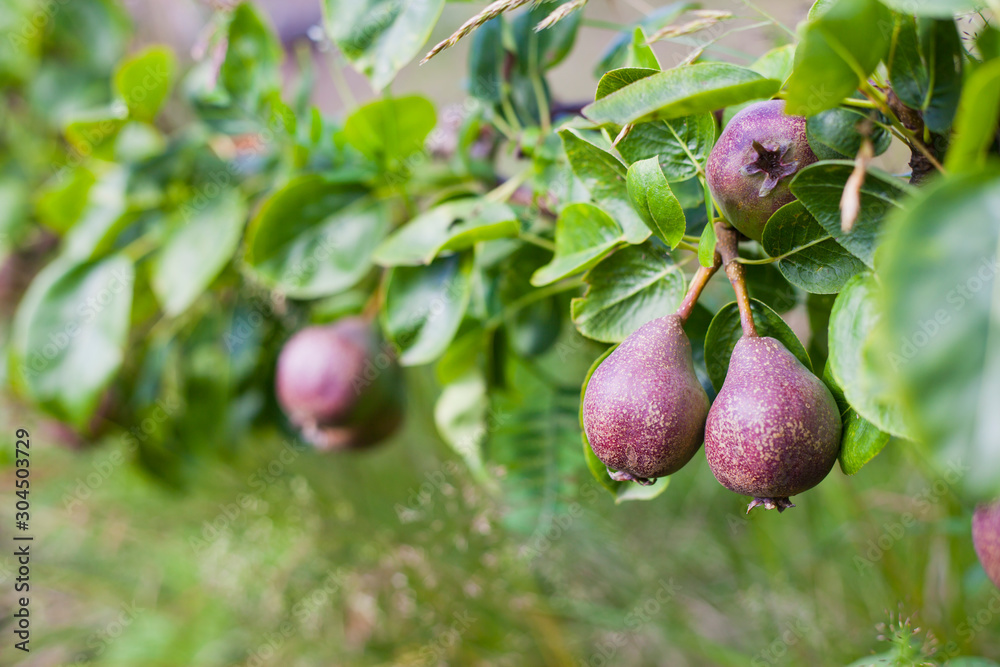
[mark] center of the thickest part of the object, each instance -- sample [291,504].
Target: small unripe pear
[986,539]
[644,408]
[339,385]
[774,429]
[752,163]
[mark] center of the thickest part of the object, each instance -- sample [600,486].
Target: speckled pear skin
[986,538]
[749,185]
[644,409]
[774,429]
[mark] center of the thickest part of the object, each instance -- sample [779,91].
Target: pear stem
[698,283]
[728,241]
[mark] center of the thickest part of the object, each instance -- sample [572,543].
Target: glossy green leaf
[820,187]
[253,56]
[725,331]
[855,317]
[657,206]
[380,37]
[622,491]
[861,441]
[62,200]
[640,54]
[840,46]
[455,225]
[584,234]
[926,68]
[460,415]
[682,144]
[196,251]
[834,133]
[776,64]
[144,81]
[810,257]
[706,246]
[93,133]
[604,176]
[617,53]
[935,8]
[75,328]
[391,129]
[424,306]
[315,237]
[941,301]
[631,287]
[976,121]
[683,91]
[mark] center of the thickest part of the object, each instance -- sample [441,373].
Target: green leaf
[380,37]
[820,187]
[424,306]
[584,234]
[486,56]
[253,57]
[617,53]
[840,46]
[144,80]
[861,440]
[682,144]
[935,8]
[766,284]
[622,491]
[62,200]
[810,257]
[196,251]
[102,219]
[541,50]
[460,415]
[725,331]
[706,246]
[393,129]
[315,237]
[604,176]
[93,133]
[631,287]
[926,68]
[657,206]
[834,132]
[941,301]
[75,328]
[683,91]
[976,121]
[856,315]
[776,64]
[640,54]
[455,225]
[617,79]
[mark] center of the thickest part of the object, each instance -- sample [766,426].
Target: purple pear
[774,429]
[339,385]
[755,159]
[986,538]
[644,409]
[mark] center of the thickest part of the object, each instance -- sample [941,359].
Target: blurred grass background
[276,555]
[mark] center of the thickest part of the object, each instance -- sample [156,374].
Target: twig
[728,248]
